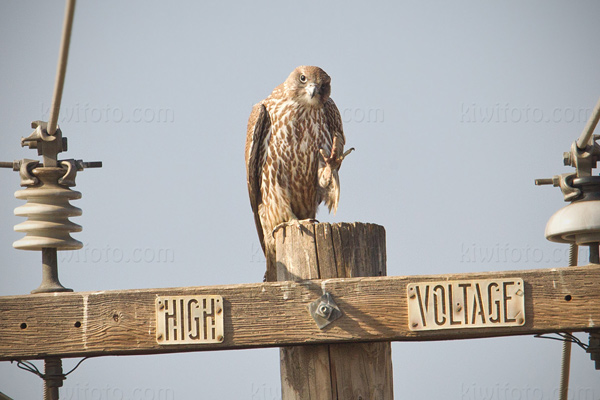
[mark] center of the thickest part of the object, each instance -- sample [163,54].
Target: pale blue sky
[454,109]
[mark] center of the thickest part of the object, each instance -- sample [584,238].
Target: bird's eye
[302,78]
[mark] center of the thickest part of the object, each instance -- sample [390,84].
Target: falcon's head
[309,85]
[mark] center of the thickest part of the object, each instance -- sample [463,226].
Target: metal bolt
[220,338]
[7,164]
[324,310]
[544,181]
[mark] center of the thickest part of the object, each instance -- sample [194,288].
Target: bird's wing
[334,123]
[257,141]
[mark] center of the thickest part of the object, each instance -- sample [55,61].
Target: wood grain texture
[275,314]
[305,373]
[346,371]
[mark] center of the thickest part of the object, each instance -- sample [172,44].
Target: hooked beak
[312,90]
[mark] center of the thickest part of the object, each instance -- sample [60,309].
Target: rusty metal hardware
[324,310]
[594,348]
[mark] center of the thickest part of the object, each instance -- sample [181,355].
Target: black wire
[75,367]
[564,337]
[30,367]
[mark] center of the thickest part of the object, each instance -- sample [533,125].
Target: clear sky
[454,109]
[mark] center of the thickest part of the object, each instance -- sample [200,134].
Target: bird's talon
[294,222]
[350,150]
[278,227]
[335,161]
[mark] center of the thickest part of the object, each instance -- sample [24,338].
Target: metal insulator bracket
[72,167]
[25,167]
[40,136]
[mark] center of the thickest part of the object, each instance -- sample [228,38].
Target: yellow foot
[332,161]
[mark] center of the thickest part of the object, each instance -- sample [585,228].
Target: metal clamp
[565,182]
[324,310]
[25,168]
[47,145]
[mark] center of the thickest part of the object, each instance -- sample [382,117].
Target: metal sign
[485,303]
[189,319]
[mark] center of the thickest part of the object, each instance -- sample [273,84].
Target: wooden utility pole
[334,371]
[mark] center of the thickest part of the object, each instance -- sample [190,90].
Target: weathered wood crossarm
[276,314]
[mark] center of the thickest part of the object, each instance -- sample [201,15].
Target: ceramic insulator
[47,211]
